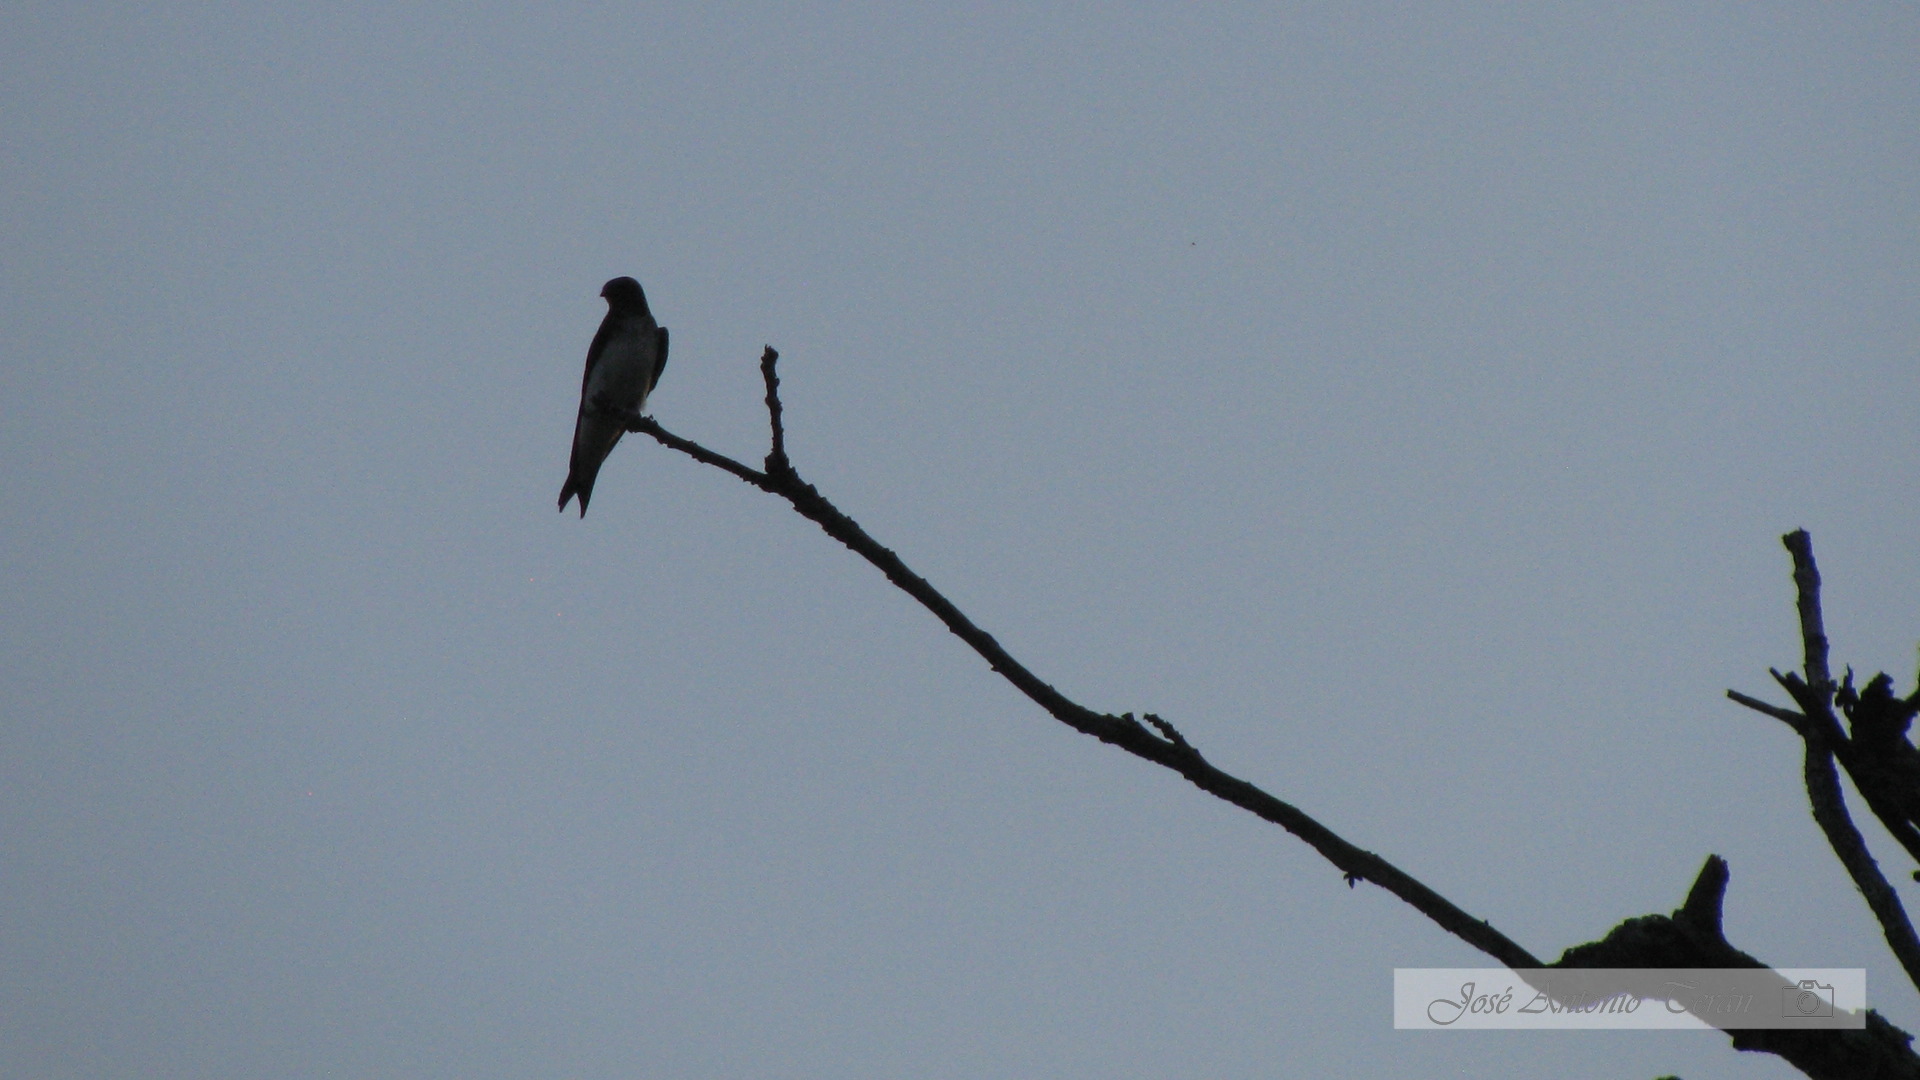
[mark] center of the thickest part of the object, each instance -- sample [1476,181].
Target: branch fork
[1690,937]
[1873,756]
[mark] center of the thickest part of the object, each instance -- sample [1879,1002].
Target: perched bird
[623,364]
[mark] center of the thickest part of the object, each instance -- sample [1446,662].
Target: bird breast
[625,368]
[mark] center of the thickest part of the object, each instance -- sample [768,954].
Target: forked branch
[1167,747]
[1691,937]
[1872,756]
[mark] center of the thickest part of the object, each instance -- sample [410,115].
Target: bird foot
[629,417]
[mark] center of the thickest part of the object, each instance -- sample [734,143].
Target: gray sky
[1404,401]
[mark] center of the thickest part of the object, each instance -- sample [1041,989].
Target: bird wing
[593,354]
[659,357]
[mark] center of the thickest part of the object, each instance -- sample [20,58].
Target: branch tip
[1702,909]
[1813,631]
[777,463]
[1792,719]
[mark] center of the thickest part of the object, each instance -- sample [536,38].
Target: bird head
[623,294]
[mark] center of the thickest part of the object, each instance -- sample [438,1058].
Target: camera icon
[1809,998]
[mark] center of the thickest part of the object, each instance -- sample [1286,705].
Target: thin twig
[777,463]
[1792,719]
[646,425]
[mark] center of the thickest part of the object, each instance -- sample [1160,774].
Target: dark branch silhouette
[1690,937]
[1168,748]
[1885,767]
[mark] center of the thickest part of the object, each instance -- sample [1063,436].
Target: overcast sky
[1405,401]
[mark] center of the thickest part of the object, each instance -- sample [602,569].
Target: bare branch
[1691,937]
[646,426]
[777,463]
[1830,811]
[1816,708]
[1820,729]
[1813,631]
[1171,751]
[1793,719]
[1702,911]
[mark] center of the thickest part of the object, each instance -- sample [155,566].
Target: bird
[623,366]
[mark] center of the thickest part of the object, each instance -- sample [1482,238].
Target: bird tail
[574,487]
[593,440]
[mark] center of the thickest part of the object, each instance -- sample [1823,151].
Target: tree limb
[1691,937]
[1168,749]
[1824,740]
[1793,719]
